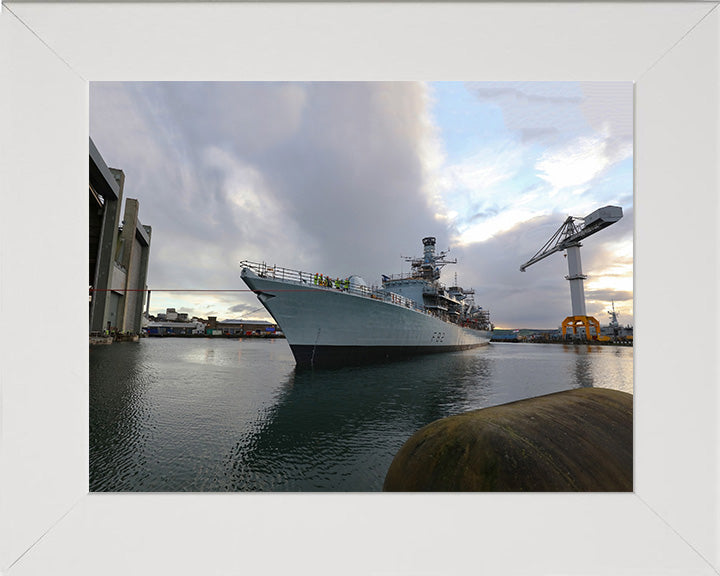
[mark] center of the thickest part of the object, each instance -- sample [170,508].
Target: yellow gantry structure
[576,322]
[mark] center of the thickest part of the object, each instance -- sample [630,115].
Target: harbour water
[175,414]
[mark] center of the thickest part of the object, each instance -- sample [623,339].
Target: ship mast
[428,267]
[614,324]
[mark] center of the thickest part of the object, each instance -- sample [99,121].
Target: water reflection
[339,429]
[216,415]
[582,366]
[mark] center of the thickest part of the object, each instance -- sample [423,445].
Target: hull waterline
[328,327]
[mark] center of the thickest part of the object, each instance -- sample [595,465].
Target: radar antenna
[428,267]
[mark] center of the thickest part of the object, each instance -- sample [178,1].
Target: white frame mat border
[50,524]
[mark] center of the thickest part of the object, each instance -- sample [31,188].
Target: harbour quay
[180,325]
[607,337]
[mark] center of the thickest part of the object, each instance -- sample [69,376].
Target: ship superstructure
[422,285]
[336,321]
[614,330]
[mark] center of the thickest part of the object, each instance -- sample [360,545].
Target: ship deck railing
[307,280]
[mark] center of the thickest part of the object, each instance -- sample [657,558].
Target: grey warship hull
[331,326]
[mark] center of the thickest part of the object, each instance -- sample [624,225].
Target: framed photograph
[50,523]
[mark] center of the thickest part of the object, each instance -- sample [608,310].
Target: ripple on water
[227,415]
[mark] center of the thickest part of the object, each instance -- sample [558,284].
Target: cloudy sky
[347,178]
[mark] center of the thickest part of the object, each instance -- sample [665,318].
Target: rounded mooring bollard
[578,440]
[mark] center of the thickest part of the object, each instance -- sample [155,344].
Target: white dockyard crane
[568,238]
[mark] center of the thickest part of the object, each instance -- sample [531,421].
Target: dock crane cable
[567,238]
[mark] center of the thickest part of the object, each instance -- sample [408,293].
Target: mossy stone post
[578,440]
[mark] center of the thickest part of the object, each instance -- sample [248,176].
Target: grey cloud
[608,105]
[484,214]
[538,297]
[338,165]
[522,91]
[352,174]
[551,113]
[609,295]
[539,112]
[337,170]
[246,310]
[538,134]
[534,299]
[595,254]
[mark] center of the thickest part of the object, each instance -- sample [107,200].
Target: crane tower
[568,237]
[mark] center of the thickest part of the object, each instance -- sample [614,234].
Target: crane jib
[570,234]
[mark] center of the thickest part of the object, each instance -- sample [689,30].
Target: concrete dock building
[119,252]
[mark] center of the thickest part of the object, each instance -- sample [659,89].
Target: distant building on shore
[173,323]
[119,252]
[170,328]
[171,315]
[246,327]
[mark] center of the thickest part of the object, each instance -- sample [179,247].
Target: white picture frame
[50,524]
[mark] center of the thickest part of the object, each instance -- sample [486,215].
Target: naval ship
[335,322]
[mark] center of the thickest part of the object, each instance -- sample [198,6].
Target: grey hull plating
[334,356]
[329,327]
